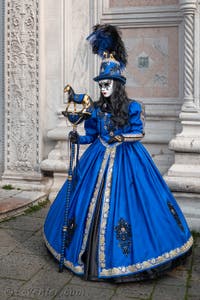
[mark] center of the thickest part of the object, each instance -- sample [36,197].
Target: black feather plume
[106,38]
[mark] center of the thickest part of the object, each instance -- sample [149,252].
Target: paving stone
[195,274]
[194,288]
[30,272]
[21,298]
[139,290]
[128,298]
[166,292]
[192,297]
[77,292]
[196,257]
[9,287]
[25,223]
[18,235]
[188,262]
[46,284]
[34,245]
[20,266]
[7,243]
[79,281]
[177,277]
[196,269]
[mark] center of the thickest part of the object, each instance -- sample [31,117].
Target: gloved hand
[116,138]
[74,137]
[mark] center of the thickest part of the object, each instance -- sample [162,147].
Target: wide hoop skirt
[124,223]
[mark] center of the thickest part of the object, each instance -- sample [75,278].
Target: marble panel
[153,62]
[127,3]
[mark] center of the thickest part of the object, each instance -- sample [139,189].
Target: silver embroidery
[105,209]
[93,203]
[76,269]
[149,263]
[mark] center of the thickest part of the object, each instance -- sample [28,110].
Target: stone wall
[1,86]
[152,31]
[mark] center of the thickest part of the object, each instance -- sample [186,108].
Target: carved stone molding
[1,86]
[188,8]
[22,145]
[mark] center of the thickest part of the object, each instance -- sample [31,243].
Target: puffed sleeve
[91,129]
[135,130]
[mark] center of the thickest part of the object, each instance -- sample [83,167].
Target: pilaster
[22,98]
[184,175]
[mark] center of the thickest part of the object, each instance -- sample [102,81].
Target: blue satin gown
[124,223]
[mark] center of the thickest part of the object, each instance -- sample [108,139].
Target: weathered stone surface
[79,281]
[9,287]
[139,290]
[13,203]
[77,292]
[18,235]
[20,266]
[46,284]
[21,298]
[28,271]
[7,243]
[41,213]
[25,223]
[166,292]
[34,245]
[176,277]
[194,288]
[4,194]
[32,195]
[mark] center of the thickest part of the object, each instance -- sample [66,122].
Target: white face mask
[106,87]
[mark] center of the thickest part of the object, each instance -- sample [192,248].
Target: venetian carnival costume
[124,223]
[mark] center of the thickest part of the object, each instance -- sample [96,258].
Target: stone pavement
[14,201]
[28,271]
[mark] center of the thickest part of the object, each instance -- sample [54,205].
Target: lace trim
[67,263]
[148,263]
[128,137]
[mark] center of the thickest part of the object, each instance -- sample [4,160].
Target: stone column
[22,100]
[183,177]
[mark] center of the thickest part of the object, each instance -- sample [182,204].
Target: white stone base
[190,205]
[58,181]
[183,178]
[27,182]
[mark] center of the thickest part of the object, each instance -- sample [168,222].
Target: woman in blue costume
[124,223]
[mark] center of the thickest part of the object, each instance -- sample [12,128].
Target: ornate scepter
[79,108]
